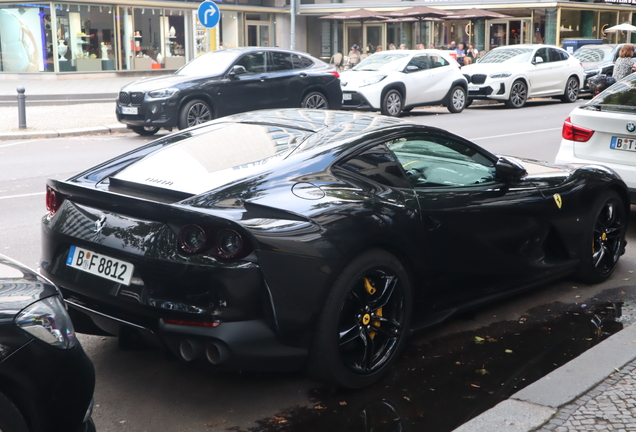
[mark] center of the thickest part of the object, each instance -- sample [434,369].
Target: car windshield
[593,55]
[385,62]
[508,55]
[214,63]
[619,97]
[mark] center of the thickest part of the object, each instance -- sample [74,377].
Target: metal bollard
[21,108]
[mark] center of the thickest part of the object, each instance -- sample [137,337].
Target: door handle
[302,74]
[263,78]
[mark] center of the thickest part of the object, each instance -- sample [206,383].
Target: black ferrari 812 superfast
[289,239]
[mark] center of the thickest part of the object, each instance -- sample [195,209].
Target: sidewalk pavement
[594,392]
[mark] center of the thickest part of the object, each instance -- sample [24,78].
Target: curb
[534,406]
[92,130]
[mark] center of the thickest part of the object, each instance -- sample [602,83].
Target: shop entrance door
[373,38]
[258,34]
[511,32]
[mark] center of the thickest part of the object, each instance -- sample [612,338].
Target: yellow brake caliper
[366,319]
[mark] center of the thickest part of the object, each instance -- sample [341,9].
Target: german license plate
[472,87]
[346,96]
[619,143]
[129,110]
[100,265]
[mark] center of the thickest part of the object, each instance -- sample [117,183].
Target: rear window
[221,153]
[593,55]
[620,97]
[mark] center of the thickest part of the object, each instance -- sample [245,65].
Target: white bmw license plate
[346,96]
[628,144]
[100,265]
[129,110]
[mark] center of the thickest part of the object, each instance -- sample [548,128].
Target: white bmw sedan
[400,80]
[603,131]
[512,74]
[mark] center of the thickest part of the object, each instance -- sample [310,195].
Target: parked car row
[236,80]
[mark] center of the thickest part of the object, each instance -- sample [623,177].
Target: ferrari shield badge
[558,200]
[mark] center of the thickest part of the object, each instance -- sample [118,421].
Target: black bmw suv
[226,82]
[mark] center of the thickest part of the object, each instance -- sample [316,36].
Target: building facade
[97,35]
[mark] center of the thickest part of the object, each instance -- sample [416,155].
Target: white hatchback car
[603,131]
[512,74]
[400,80]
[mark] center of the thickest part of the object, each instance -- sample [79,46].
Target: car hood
[355,78]
[167,81]
[19,287]
[488,68]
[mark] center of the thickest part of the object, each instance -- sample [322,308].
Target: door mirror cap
[411,68]
[509,169]
[537,60]
[237,70]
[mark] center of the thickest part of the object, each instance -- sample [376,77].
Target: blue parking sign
[209,14]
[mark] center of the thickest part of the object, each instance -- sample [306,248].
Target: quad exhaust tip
[215,353]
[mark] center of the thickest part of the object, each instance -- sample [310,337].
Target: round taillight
[229,243]
[192,239]
[53,201]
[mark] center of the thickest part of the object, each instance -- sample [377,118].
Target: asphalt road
[142,390]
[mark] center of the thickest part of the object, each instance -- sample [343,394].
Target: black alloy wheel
[392,103]
[518,95]
[457,101]
[364,323]
[604,240]
[315,100]
[194,113]
[572,89]
[145,130]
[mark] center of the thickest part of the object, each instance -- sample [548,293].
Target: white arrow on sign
[208,13]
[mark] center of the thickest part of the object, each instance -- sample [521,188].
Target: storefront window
[26,40]
[84,37]
[230,30]
[148,37]
[174,39]
[258,30]
[623,17]
[607,19]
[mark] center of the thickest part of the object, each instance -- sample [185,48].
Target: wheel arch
[201,96]
[458,82]
[313,88]
[399,86]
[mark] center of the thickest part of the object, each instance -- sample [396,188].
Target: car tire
[11,420]
[457,100]
[518,95]
[607,230]
[469,102]
[392,103]
[572,90]
[369,306]
[194,112]
[145,130]
[315,100]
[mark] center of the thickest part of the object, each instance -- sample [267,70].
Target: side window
[254,63]
[377,164]
[436,161]
[301,62]
[281,62]
[557,55]
[543,54]
[438,61]
[420,61]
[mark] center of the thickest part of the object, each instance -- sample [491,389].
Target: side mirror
[509,169]
[537,60]
[237,70]
[411,68]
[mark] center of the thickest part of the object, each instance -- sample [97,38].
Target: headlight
[501,75]
[372,80]
[163,93]
[48,321]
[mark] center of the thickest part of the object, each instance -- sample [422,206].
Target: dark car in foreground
[226,82]
[277,240]
[46,379]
